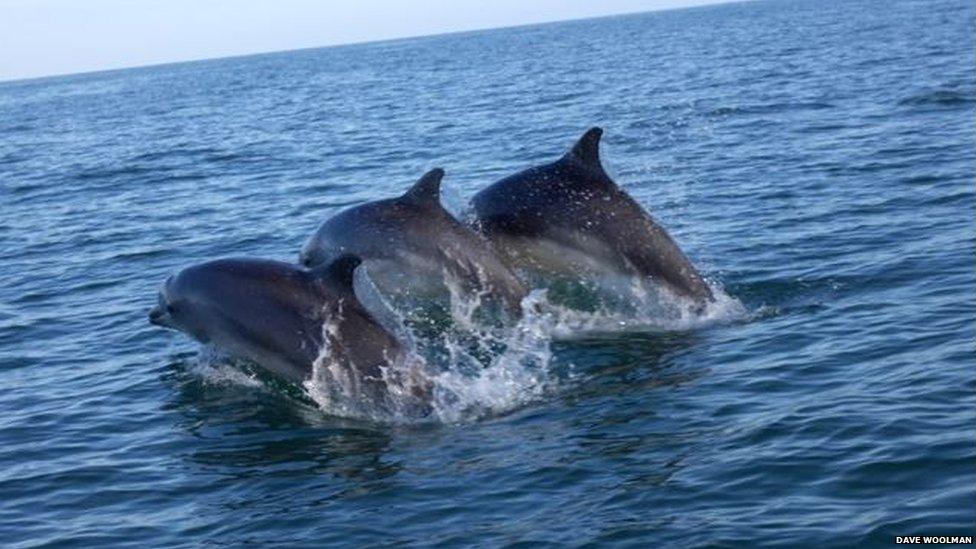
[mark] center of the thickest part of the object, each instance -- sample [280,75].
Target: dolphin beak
[158,317]
[305,259]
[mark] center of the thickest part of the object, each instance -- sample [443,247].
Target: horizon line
[705,4]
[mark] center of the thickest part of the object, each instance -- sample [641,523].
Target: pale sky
[47,37]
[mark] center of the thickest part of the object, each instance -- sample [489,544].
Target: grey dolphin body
[569,216]
[411,242]
[273,313]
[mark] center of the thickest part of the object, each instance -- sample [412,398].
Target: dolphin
[569,217]
[411,243]
[281,317]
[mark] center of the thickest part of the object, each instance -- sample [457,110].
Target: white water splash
[460,384]
[648,308]
[515,377]
[400,393]
[217,368]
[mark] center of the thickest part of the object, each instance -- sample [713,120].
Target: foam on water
[650,309]
[216,367]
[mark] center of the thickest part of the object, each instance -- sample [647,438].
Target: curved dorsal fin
[341,270]
[427,189]
[587,149]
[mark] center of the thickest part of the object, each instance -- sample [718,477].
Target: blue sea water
[815,159]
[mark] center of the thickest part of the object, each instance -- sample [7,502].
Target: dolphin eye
[170,309]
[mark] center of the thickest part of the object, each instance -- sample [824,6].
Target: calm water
[816,159]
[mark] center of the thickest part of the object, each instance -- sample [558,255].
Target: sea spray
[216,367]
[400,392]
[464,385]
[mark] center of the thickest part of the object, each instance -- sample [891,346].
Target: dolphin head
[183,305]
[380,229]
[222,299]
[363,229]
[312,254]
[266,311]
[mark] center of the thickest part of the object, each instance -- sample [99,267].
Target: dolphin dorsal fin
[587,149]
[341,270]
[427,189]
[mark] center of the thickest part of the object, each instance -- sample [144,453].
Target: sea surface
[815,159]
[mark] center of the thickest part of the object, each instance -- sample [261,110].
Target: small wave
[176,152]
[112,174]
[16,128]
[939,98]
[141,253]
[768,108]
